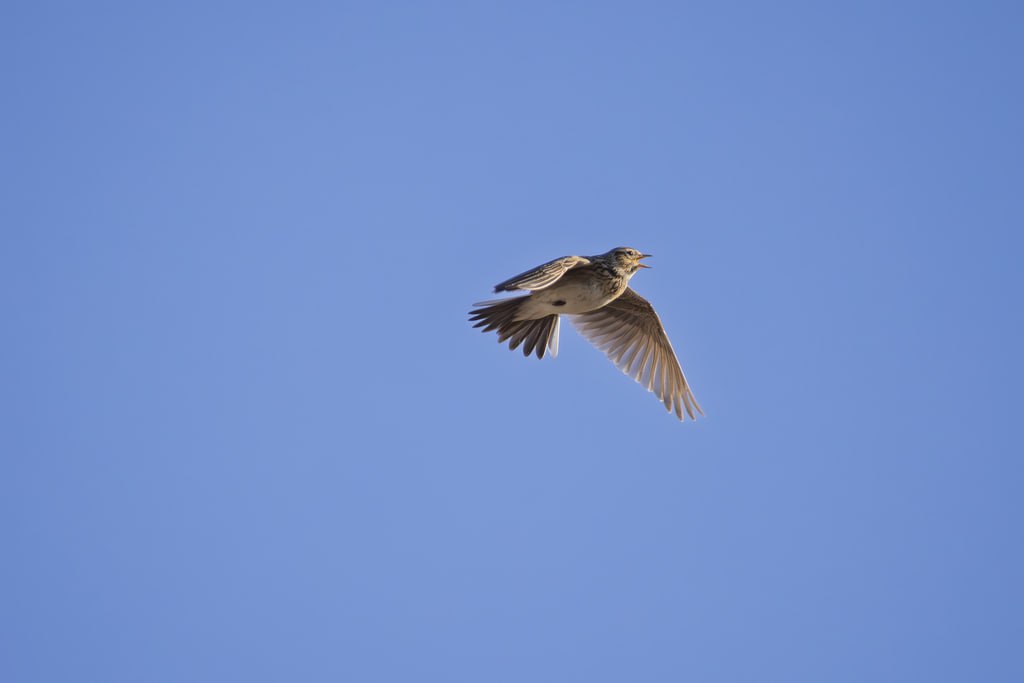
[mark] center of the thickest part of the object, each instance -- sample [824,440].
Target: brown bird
[594,291]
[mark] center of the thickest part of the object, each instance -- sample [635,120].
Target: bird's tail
[535,335]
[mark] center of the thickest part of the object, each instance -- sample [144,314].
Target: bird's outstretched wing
[541,276]
[631,335]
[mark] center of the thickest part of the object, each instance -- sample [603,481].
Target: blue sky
[249,435]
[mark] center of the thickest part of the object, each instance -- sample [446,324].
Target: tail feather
[535,336]
[532,337]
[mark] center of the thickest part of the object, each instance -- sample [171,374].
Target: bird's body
[595,292]
[580,290]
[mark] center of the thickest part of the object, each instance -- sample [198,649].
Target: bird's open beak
[642,265]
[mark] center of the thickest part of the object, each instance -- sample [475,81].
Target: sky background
[249,435]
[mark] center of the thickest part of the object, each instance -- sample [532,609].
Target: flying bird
[594,291]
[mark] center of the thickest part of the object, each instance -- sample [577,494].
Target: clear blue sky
[248,434]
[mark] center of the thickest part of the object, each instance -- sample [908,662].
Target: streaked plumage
[595,292]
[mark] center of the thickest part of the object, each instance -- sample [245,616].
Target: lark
[594,292]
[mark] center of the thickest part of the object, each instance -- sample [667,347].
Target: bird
[594,292]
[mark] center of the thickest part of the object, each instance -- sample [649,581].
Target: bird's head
[627,259]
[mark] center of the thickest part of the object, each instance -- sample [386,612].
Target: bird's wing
[631,335]
[541,276]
